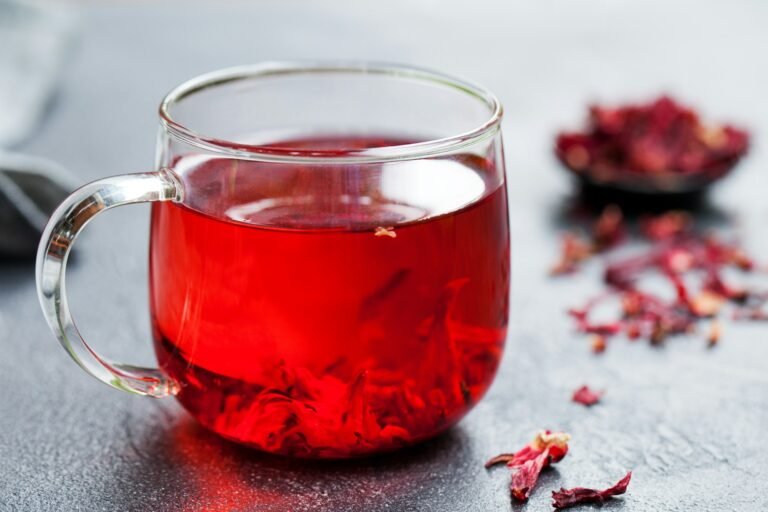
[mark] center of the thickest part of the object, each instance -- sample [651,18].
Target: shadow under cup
[334,280]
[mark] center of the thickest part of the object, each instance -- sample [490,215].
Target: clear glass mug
[329,257]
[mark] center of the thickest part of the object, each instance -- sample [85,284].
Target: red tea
[329,310]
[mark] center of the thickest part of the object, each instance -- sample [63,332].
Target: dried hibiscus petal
[565,498]
[546,448]
[706,304]
[609,229]
[623,274]
[526,476]
[585,326]
[598,344]
[586,396]
[665,226]
[728,254]
[573,251]
[556,443]
[666,325]
[605,329]
[714,333]
[739,258]
[633,330]
[715,284]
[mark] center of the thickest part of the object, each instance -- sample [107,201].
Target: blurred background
[80,83]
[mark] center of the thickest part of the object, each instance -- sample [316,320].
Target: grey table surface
[690,422]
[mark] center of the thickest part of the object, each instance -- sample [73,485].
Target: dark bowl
[660,183]
[647,192]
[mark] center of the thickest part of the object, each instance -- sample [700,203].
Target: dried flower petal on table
[609,229]
[574,249]
[665,226]
[587,327]
[555,443]
[727,254]
[565,498]
[707,304]
[714,333]
[546,448]
[623,274]
[632,304]
[598,344]
[607,232]
[677,260]
[586,396]
[526,476]
[633,330]
[715,284]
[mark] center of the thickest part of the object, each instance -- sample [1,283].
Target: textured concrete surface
[689,421]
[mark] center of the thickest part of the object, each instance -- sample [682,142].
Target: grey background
[690,422]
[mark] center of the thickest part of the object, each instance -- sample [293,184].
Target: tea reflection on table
[186,467]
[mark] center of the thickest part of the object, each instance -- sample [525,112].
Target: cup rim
[425,149]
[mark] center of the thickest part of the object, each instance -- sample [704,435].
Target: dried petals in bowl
[660,147]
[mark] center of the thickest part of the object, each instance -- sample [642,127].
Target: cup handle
[52,255]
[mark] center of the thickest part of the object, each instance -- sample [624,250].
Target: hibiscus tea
[331,310]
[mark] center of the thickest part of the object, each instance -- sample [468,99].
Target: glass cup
[329,255]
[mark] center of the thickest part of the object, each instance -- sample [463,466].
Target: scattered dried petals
[388,231]
[565,498]
[586,396]
[679,254]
